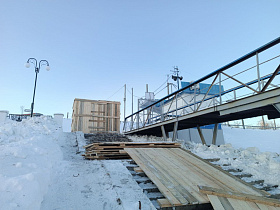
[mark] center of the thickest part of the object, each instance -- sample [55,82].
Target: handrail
[233,63]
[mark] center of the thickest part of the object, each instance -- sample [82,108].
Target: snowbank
[264,140]
[262,165]
[28,154]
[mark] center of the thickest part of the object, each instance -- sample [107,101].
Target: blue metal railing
[174,96]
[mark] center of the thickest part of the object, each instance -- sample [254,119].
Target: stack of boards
[115,150]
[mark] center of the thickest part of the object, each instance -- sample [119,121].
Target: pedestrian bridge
[247,87]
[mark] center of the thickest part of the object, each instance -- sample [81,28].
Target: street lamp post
[37,70]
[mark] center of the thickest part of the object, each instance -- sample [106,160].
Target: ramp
[177,174]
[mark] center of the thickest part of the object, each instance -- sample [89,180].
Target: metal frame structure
[194,114]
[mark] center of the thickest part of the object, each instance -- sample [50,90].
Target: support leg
[215,131]
[175,131]
[163,133]
[201,134]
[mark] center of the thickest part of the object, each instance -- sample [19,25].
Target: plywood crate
[90,116]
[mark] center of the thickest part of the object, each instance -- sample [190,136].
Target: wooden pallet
[115,150]
[177,174]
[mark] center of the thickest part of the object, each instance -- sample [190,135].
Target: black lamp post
[37,70]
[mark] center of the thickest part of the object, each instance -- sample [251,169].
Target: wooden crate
[90,116]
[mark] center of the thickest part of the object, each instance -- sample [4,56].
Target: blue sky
[94,47]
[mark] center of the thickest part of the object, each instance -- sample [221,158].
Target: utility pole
[131,108]
[22,108]
[124,102]
[131,100]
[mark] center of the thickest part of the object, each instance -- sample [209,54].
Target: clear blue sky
[94,47]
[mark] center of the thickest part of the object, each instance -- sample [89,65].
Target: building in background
[187,99]
[90,116]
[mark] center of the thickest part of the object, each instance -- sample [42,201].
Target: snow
[264,140]
[42,167]
[29,150]
[253,151]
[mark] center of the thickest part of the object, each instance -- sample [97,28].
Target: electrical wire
[162,84]
[133,94]
[115,92]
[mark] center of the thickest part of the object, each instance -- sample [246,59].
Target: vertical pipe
[215,132]
[131,108]
[137,126]
[147,89]
[194,99]
[275,124]
[220,87]
[163,133]
[258,71]
[201,135]
[167,88]
[175,128]
[234,95]
[243,124]
[124,102]
[263,122]
[176,107]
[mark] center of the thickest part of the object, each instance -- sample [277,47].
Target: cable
[133,94]
[115,93]
[162,84]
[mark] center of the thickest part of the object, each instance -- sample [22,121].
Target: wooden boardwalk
[177,174]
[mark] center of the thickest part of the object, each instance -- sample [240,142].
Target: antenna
[175,75]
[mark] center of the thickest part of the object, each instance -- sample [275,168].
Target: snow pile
[262,165]
[28,154]
[264,140]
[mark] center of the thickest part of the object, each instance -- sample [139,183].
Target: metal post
[275,124]
[243,124]
[176,107]
[32,104]
[263,122]
[194,99]
[258,71]
[163,133]
[167,88]
[201,134]
[234,95]
[215,131]
[220,87]
[138,120]
[175,131]
[132,108]
[124,102]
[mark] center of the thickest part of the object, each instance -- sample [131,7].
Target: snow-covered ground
[41,170]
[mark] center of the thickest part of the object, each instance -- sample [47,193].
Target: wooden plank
[226,204]
[265,207]
[216,203]
[239,196]
[240,204]
[181,193]
[138,170]
[181,172]
[231,182]
[163,203]
[165,163]
[163,189]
